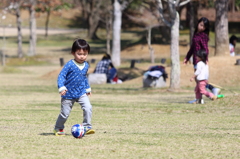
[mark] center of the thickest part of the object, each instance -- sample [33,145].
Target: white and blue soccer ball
[78,131]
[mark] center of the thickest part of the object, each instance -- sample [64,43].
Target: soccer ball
[78,131]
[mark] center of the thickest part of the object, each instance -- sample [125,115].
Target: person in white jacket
[201,77]
[232,44]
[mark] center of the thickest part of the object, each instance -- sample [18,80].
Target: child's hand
[191,79]
[63,92]
[185,61]
[89,93]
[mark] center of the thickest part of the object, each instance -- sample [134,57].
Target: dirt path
[7,31]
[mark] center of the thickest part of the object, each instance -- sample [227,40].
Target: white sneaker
[216,91]
[201,101]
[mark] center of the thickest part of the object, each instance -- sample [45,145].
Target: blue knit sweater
[74,80]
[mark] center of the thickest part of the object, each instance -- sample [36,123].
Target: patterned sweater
[74,80]
[199,41]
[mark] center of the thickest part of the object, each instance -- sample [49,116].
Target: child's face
[201,26]
[80,55]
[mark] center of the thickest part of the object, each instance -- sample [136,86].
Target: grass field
[130,121]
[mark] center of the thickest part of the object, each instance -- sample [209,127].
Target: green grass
[11,70]
[130,122]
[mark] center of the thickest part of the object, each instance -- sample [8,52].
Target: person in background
[201,77]
[232,44]
[105,66]
[200,42]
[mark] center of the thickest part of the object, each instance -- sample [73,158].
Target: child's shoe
[197,101]
[201,101]
[89,130]
[59,132]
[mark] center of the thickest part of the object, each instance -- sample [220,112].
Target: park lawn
[130,121]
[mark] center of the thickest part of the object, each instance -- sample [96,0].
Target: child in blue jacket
[73,87]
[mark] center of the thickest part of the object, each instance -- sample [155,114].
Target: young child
[232,44]
[201,76]
[200,42]
[73,87]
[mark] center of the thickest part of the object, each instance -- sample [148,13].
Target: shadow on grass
[47,134]
[52,134]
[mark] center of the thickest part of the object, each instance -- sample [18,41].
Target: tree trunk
[47,22]
[93,19]
[232,5]
[192,18]
[150,48]
[108,32]
[174,48]
[221,28]
[116,40]
[33,36]
[175,70]
[93,22]
[19,27]
[85,8]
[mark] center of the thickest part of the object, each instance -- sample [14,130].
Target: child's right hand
[63,92]
[185,61]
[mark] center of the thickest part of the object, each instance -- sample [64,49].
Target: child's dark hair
[231,40]
[80,44]
[106,57]
[206,25]
[202,54]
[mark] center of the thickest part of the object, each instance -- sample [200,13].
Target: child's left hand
[191,79]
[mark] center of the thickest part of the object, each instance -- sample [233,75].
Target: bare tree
[32,27]
[173,23]
[108,25]
[117,25]
[14,8]
[221,28]
[48,6]
[150,48]
[91,12]
[105,17]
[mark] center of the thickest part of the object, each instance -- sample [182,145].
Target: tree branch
[172,9]
[160,8]
[183,3]
[177,2]
[125,4]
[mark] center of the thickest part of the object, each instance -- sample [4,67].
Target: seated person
[105,66]
[232,44]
